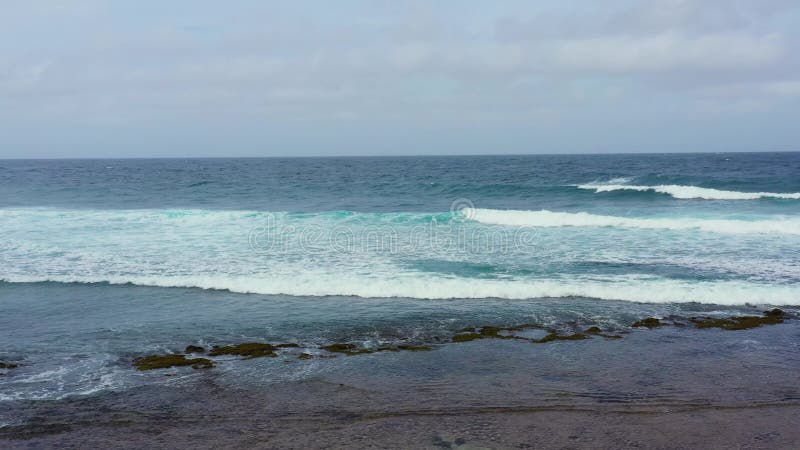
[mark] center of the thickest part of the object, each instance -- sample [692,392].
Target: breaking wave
[690,192]
[627,288]
[544,218]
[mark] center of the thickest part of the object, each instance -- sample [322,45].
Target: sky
[141,78]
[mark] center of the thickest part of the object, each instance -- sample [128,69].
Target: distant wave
[432,287]
[690,192]
[546,218]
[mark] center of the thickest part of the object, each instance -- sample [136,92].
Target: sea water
[102,261]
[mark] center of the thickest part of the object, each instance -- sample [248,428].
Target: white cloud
[669,51]
[436,63]
[783,88]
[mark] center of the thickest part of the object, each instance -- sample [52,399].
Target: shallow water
[78,339]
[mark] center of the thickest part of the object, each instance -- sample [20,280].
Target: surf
[551,219]
[690,192]
[420,286]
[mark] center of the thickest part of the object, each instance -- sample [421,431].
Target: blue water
[103,260]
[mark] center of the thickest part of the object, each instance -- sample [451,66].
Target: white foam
[690,192]
[544,218]
[211,250]
[628,288]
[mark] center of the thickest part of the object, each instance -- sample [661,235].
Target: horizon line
[433,155]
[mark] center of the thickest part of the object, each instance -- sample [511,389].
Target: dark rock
[414,348]
[775,312]
[466,337]
[304,356]
[165,361]
[556,337]
[248,350]
[649,322]
[194,349]
[737,323]
[288,345]
[5,365]
[490,332]
[596,331]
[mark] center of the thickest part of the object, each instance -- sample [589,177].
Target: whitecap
[690,192]
[545,218]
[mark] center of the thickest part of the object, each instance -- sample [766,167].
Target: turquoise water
[104,260]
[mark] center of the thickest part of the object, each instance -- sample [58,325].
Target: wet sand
[222,420]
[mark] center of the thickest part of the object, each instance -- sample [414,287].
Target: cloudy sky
[89,78]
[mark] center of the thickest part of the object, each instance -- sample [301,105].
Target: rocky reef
[649,322]
[171,360]
[249,350]
[771,317]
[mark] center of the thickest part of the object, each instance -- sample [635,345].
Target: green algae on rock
[596,331]
[352,349]
[649,322]
[414,348]
[557,337]
[248,350]
[491,332]
[772,317]
[164,361]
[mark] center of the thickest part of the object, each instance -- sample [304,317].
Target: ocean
[105,261]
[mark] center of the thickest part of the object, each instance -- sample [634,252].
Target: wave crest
[633,289]
[544,218]
[690,192]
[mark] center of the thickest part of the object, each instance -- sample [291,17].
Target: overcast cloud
[257,78]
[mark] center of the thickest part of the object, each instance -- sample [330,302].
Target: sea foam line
[545,218]
[690,192]
[427,287]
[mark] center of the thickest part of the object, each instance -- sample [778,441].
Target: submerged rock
[490,332]
[305,356]
[5,365]
[414,348]
[596,331]
[347,349]
[165,361]
[649,322]
[248,350]
[288,345]
[468,337]
[772,317]
[352,349]
[557,337]
[194,349]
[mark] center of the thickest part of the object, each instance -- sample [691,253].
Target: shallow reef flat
[250,350]
[675,385]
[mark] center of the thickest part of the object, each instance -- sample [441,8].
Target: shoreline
[711,426]
[664,387]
